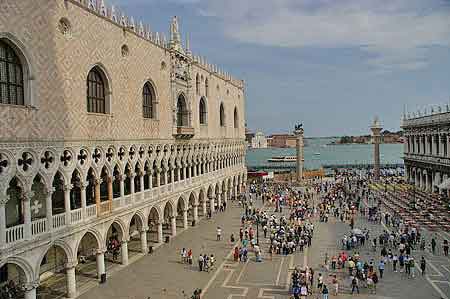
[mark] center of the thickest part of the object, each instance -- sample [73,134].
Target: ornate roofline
[120,19]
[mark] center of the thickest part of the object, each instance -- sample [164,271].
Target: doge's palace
[110,134]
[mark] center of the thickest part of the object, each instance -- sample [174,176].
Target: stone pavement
[161,275]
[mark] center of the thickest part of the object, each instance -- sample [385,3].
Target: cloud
[393,34]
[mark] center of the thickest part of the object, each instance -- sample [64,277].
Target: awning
[445,184]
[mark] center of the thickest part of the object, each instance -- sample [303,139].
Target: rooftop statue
[298,127]
[174,27]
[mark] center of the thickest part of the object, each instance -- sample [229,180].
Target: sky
[332,65]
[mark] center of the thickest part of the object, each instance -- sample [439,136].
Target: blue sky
[331,64]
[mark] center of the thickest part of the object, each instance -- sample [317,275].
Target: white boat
[317,154]
[283,159]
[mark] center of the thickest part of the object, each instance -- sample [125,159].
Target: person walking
[200,262]
[355,285]
[219,233]
[423,265]
[381,268]
[324,292]
[412,267]
[394,262]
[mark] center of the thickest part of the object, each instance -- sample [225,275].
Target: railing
[116,203]
[91,211]
[104,207]
[39,226]
[59,220]
[76,216]
[147,194]
[15,233]
[128,200]
[138,197]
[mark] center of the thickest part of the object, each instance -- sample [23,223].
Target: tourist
[219,233]
[381,268]
[355,285]
[320,282]
[335,285]
[375,281]
[183,255]
[325,292]
[236,254]
[189,256]
[394,262]
[412,267]
[422,265]
[200,262]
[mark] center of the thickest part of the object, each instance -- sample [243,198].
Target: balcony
[183,132]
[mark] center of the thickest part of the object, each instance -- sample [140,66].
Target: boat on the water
[317,154]
[283,159]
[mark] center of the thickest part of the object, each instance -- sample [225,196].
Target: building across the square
[427,149]
[110,135]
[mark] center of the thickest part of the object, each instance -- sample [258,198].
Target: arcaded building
[110,134]
[427,149]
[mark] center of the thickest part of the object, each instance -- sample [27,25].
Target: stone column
[185,219]
[172,175]
[83,199]
[173,225]
[100,263]
[211,204]
[219,200]
[376,137]
[144,247]
[189,171]
[195,212]
[132,176]
[110,192]
[122,185]
[195,170]
[67,189]
[158,178]
[236,195]
[298,132]
[204,207]
[3,200]
[48,210]
[141,181]
[30,290]
[97,195]
[124,251]
[160,232]
[150,179]
[165,177]
[71,281]
[184,173]
[433,145]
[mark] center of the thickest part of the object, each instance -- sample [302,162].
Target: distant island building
[259,140]
[386,137]
[427,149]
[281,141]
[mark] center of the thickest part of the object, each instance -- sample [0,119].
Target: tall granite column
[298,132]
[376,139]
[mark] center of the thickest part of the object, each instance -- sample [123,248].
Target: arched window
[236,118]
[222,115]
[148,100]
[202,111]
[197,84]
[206,87]
[96,91]
[11,76]
[182,113]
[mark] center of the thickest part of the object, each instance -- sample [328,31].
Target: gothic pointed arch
[236,118]
[203,112]
[222,115]
[149,100]
[182,112]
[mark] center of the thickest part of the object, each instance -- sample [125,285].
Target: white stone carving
[113,14]
[103,10]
